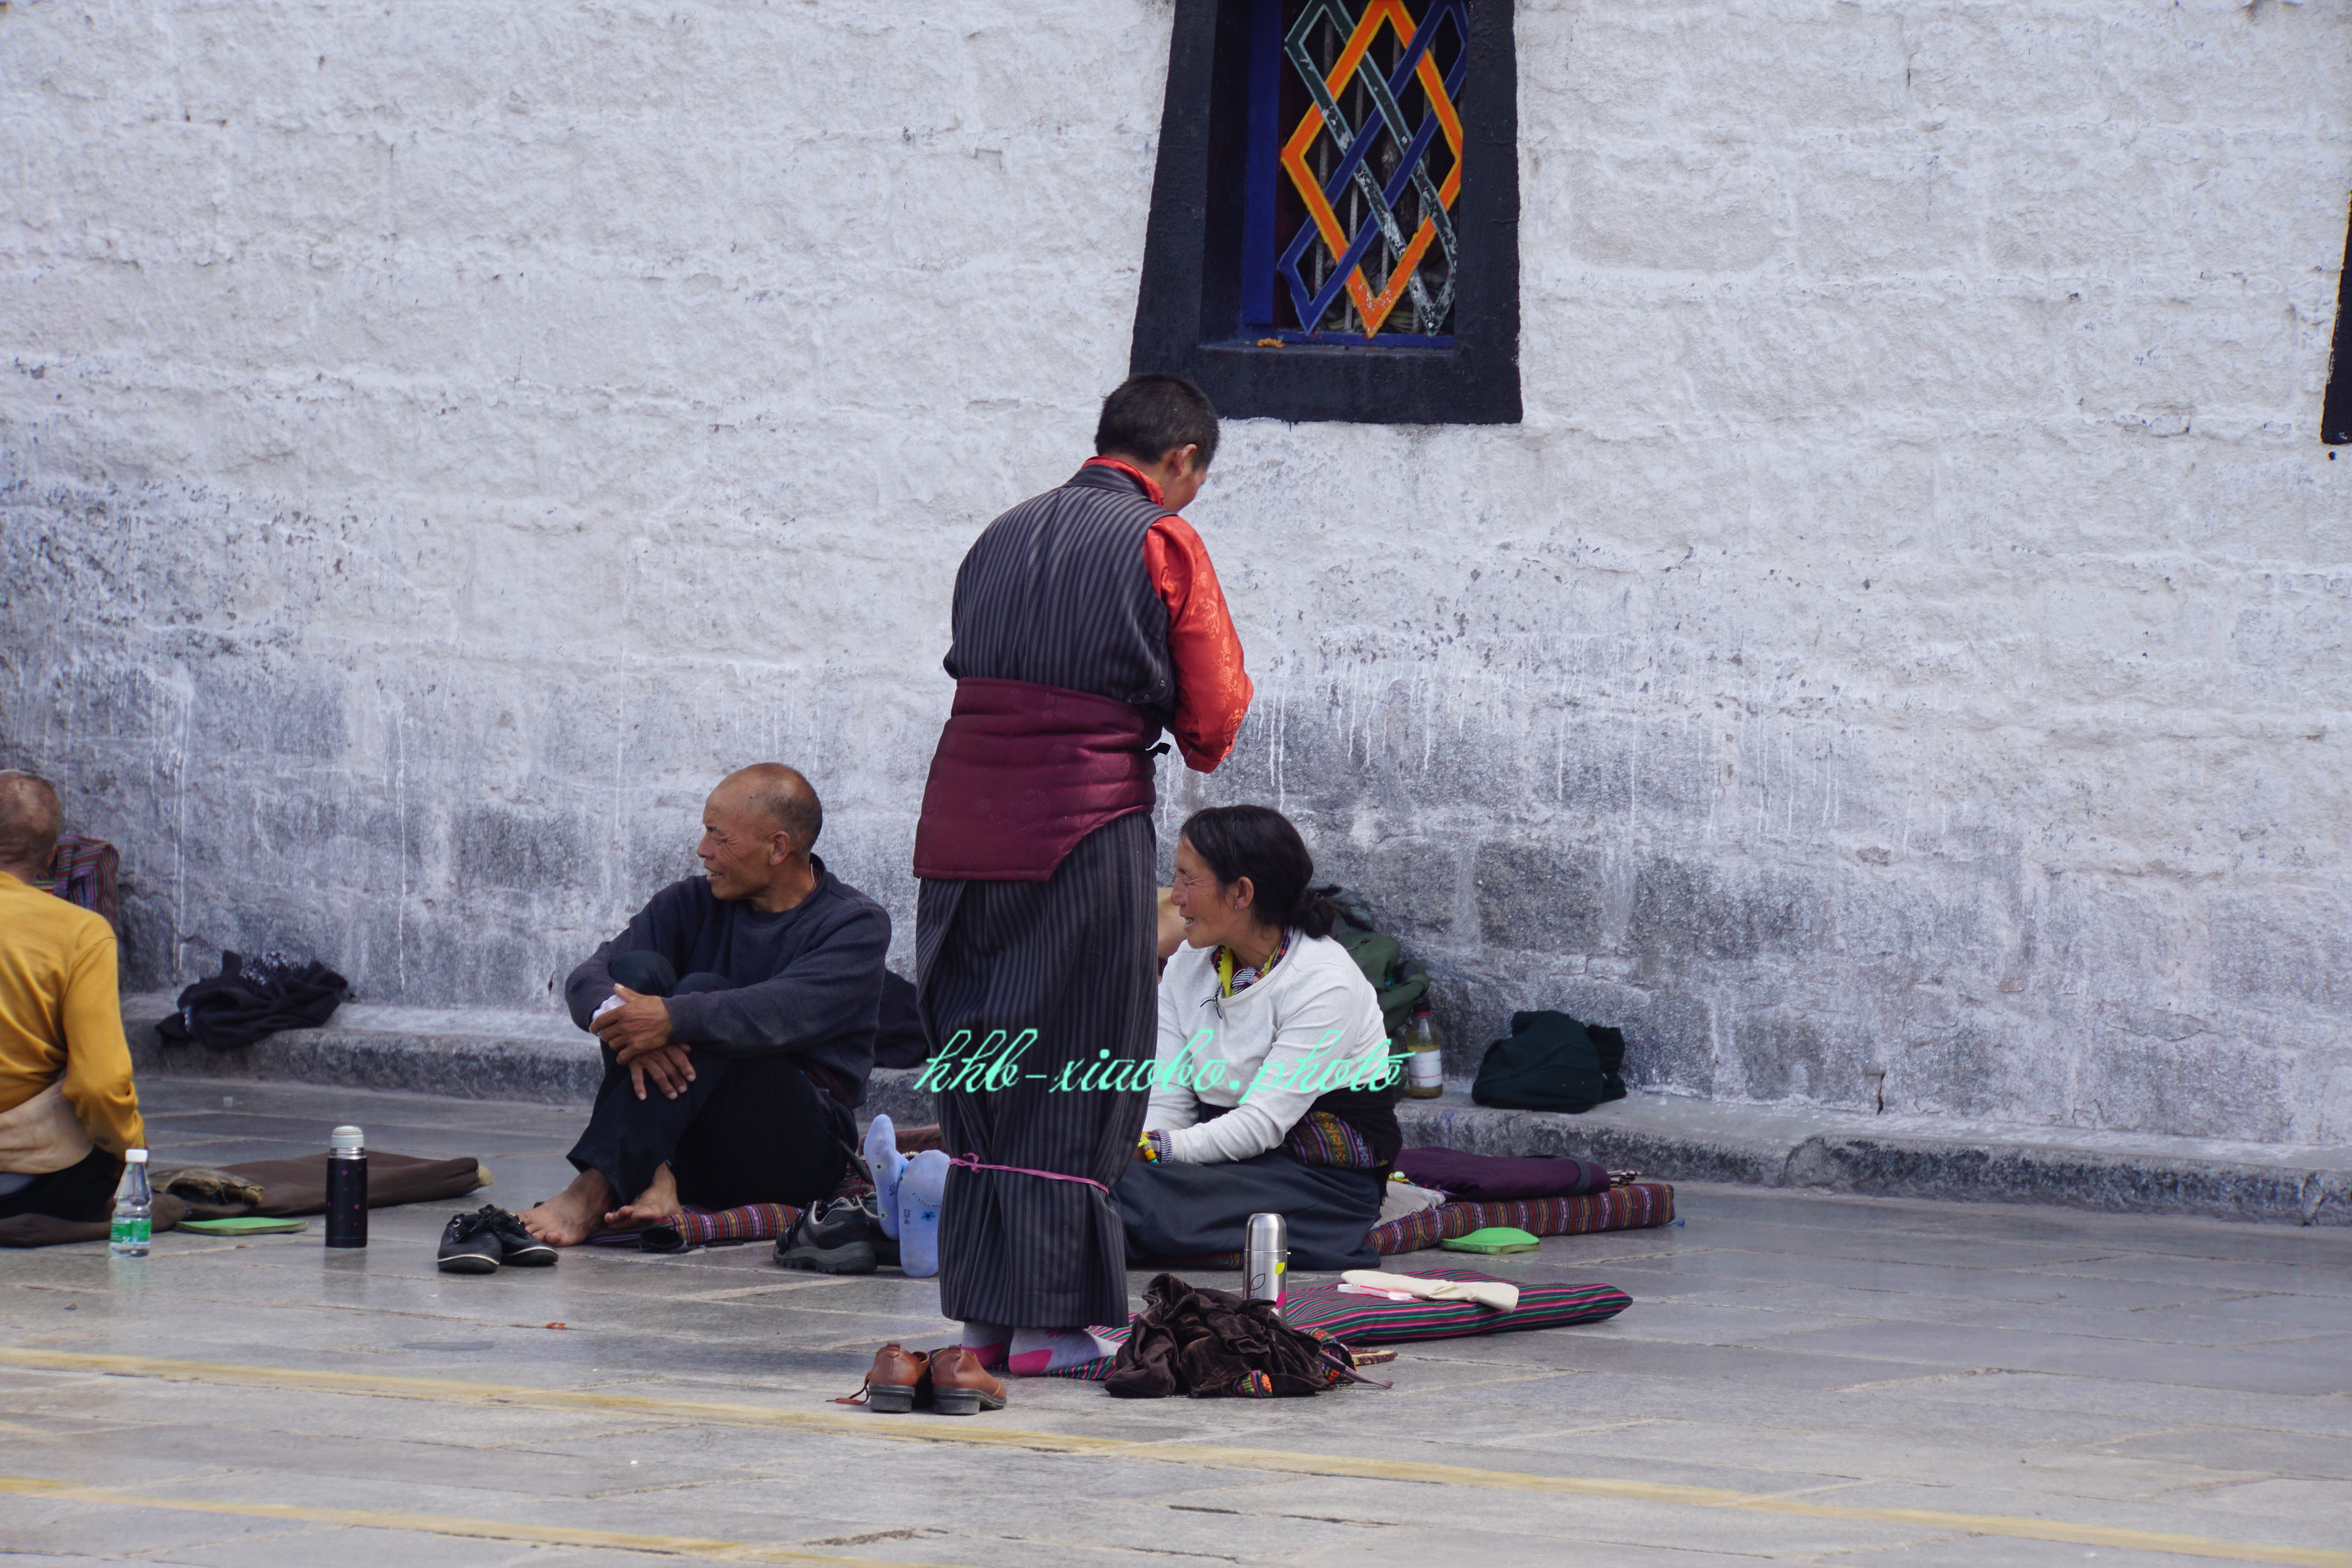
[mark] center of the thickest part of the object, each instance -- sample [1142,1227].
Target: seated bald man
[737,1016]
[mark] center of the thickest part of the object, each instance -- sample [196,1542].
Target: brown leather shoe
[899,1380]
[961,1385]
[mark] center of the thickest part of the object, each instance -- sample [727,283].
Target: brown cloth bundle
[296,1187]
[1195,1341]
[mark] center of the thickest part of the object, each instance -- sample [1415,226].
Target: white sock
[885,1164]
[921,1186]
[1036,1351]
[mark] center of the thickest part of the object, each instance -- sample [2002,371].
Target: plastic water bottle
[134,1210]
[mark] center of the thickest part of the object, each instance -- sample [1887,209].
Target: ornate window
[1334,220]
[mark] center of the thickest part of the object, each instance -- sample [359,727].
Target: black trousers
[82,1191]
[1174,1209]
[748,1129]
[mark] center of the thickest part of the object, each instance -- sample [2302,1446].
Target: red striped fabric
[1636,1208]
[698,1226]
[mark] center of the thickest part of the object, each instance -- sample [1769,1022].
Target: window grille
[1354,163]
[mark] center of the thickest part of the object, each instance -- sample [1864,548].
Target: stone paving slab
[1804,1377]
[498,1055]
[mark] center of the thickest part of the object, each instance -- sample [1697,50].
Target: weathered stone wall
[1901,653]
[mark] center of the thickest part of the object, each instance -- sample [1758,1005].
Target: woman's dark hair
[1258,842]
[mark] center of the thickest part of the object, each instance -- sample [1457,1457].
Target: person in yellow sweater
[68,1107]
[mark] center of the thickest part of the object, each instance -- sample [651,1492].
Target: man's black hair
[785,797]
[1151,415]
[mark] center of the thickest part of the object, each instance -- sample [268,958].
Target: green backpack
[1399,979]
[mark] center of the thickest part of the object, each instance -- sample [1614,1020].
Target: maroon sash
[1022,773]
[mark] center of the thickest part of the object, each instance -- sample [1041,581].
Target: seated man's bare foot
[573,1215]
[657,1205]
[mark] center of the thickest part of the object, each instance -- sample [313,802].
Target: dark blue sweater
[808,980]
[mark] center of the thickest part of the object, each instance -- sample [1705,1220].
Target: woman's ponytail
[1316,913]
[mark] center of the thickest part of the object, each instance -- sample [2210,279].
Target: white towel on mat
[1494,1293]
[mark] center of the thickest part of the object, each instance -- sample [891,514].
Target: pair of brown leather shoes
[949,1380]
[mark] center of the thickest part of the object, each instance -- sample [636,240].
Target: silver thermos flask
[1266,1259]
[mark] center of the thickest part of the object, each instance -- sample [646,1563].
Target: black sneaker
[836,1236]
[518,1248]
[468,1246]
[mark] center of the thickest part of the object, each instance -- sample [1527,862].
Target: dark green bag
[1551,1062]
[1397,976]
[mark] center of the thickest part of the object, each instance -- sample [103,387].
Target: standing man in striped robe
[1087,620]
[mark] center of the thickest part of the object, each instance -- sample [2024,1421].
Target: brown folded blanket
[299,1185]
[201,1185]
[288,1187]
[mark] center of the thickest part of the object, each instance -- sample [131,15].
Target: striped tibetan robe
[1087,620]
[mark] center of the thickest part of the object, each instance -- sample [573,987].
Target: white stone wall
[1902,652]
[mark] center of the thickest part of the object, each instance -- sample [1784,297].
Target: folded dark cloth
[1551,1062]
[244,1002]
[299,1186]
[1490,1178]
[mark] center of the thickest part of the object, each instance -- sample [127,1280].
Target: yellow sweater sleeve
[97,1059]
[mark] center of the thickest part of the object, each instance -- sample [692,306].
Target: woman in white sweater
[1273,1088]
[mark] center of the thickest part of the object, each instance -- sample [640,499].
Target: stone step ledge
[481,1055]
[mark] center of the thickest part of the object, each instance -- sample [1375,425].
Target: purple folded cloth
[1488,1178]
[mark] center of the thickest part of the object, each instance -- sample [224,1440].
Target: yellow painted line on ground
[987,1434]
[442,1524]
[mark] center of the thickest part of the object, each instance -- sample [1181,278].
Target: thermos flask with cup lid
[347,1202]
[1266,1258]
